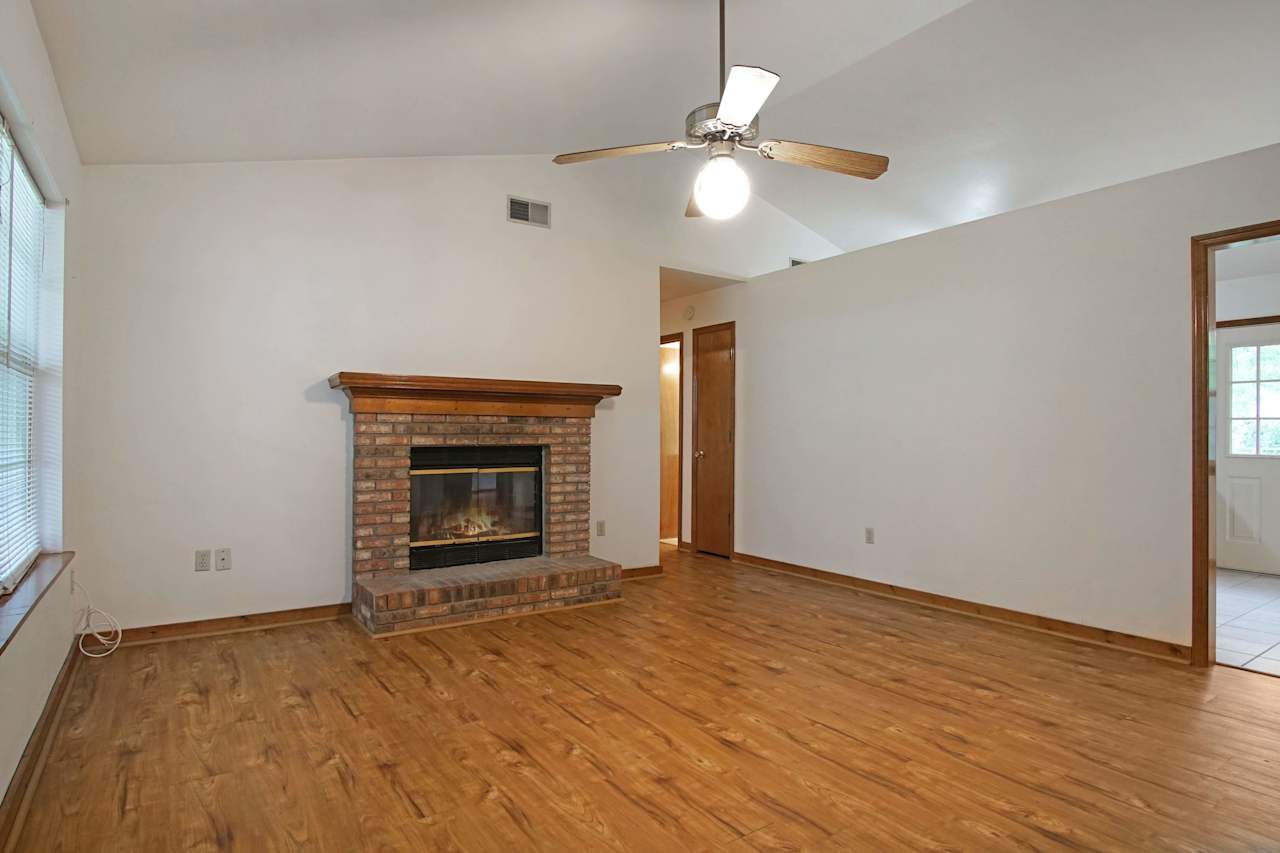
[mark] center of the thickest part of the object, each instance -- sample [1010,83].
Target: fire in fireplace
[474,504]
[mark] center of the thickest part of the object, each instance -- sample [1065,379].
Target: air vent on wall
[528,212]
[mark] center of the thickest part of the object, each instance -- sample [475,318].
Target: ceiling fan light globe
[722,188]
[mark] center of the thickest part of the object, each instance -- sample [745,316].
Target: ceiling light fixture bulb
[722,188]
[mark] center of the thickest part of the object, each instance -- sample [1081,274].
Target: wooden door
[713,428]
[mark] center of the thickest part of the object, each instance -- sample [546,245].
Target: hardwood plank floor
[720,707]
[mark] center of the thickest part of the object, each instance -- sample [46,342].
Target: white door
[1248,448]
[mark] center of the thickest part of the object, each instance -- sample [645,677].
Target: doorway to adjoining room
[671,441]
[1244,453]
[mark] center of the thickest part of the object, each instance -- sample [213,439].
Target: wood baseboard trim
[685,546]
[504,617]
[1043,624]
[232,624]
[26,777]
[641,572]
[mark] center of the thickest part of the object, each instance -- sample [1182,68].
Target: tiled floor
[1249,620]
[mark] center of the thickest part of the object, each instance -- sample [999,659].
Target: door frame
[732,327]
[678,337]
[1202,571]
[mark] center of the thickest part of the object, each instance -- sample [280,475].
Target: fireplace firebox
[474,505]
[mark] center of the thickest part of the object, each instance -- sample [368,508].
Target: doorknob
[698,454]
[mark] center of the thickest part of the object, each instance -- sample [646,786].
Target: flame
[465,523]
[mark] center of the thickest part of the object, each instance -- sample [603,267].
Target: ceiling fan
[721,190]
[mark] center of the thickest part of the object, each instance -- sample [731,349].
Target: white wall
[29,100]
[1007,402]
[28,668]
[1254,296]
[213,301]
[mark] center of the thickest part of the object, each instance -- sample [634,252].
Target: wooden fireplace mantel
[388,393]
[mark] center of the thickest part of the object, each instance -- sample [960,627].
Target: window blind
[21,258]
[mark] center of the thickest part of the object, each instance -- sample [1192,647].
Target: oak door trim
[1202,574]
[732,327]
[1248,321]
[678,337]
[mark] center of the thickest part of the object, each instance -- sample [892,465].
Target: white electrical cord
[99,624]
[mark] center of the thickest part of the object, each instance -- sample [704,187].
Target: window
[21,259]
[1255,400]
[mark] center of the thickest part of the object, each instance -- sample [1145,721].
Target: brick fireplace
[401,421]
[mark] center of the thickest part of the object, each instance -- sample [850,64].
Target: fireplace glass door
[471,505]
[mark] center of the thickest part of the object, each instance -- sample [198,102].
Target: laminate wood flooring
[719,707]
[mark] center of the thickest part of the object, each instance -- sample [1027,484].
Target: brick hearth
[440,597]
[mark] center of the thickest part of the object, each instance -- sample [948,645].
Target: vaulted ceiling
[983,107]
[1008,103]
[159,81]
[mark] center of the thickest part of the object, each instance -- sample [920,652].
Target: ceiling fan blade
[744,94]
[691,209]
[855,163]
[621,151]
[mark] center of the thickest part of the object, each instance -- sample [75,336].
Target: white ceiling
[1248,260]
[162,81]
[982,107]
[1009,103]
[675,283]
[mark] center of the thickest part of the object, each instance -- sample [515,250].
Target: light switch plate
[204,562]
[222,558]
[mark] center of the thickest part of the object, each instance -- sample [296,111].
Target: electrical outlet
[223,559]
[599,528]
[870,536]
[203,561]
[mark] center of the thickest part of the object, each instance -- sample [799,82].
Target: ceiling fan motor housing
[702,125]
